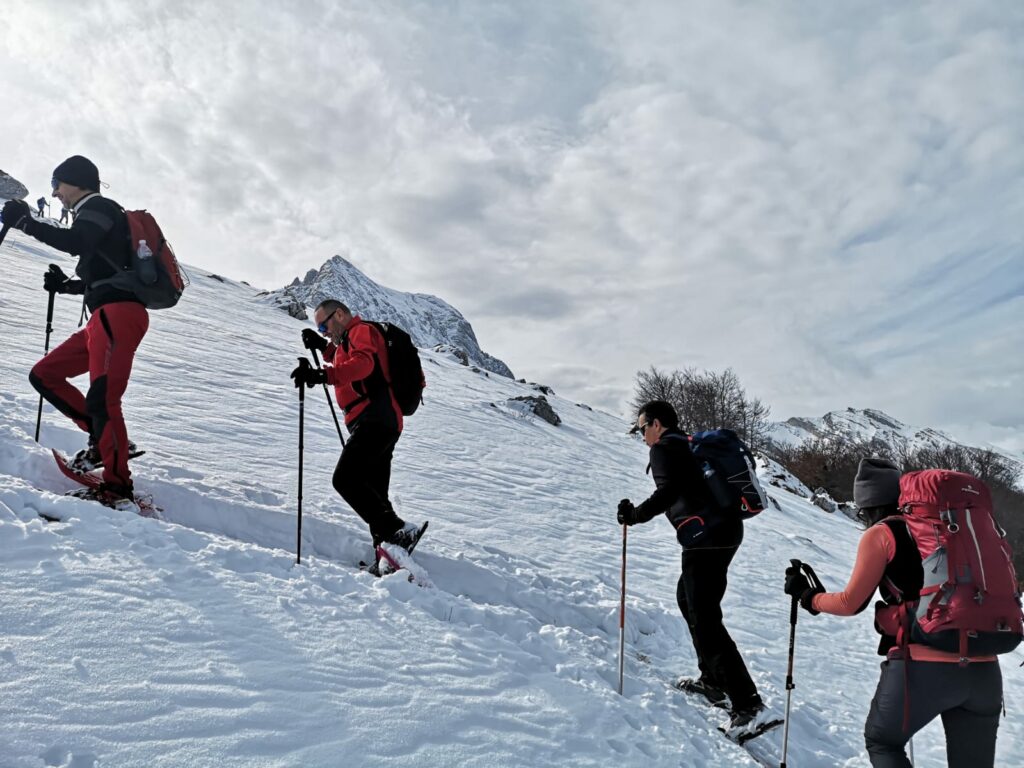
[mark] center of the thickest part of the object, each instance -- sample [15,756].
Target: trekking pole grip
[796,600]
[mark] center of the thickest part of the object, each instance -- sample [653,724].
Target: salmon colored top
[876,550]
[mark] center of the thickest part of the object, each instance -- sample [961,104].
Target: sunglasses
[54,182]
[642,428]
[323,326]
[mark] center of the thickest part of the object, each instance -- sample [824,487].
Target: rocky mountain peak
[430,321]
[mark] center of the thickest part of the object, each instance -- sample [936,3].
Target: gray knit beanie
[877,483]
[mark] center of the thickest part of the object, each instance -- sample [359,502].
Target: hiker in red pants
[105,348]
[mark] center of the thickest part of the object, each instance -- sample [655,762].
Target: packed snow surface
[198,641]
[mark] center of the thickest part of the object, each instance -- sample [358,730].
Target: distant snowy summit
[865,426]
[11,188]
[430,321]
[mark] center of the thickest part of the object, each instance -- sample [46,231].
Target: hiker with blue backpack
[950,604]
[710,534]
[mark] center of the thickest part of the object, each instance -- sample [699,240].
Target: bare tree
[832,465]
[706,400]
[653,384]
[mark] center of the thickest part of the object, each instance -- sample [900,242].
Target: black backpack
[729,469]
[407,380]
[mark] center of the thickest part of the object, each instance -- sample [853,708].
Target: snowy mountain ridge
[854,425]
[430,321]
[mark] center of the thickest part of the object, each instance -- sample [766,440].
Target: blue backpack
[729,469]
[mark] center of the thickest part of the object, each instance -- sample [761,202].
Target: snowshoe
[114,497]
[747,724]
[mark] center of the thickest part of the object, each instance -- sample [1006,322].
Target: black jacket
[682,491]
[100,228]
[902,579]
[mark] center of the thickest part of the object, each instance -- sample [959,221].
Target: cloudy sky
[826,197]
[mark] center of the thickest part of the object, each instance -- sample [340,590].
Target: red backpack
[970,602]
[155,277]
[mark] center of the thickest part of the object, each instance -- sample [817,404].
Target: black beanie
[877,483]
[77,171]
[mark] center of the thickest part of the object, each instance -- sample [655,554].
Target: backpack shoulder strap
[100,219]
[106,223]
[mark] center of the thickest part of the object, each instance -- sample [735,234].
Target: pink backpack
[970,602]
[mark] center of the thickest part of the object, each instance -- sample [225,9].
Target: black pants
[699,594]
[363,476]
[968,699]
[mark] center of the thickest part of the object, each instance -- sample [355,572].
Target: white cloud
[827,200]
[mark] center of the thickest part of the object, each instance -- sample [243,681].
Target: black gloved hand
[803,583]
[627,513]
[54,279]
[306,374]
[16,214]
[313,340]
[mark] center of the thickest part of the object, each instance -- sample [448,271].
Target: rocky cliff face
[11,188]
[429,320]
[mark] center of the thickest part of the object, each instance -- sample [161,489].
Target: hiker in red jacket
[359,372]
[105,348]
[918,683]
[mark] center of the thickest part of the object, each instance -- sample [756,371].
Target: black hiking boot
[711,692]
[88,459]
[408,536]
[742,719]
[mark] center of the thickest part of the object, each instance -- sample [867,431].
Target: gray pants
[969,699]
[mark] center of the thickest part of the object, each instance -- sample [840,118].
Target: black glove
[306,374]
[627,513]
[313,340]
[54,279]
[16,214]
[802,583]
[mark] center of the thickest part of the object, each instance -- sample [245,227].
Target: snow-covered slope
[429,320]
[199,642]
